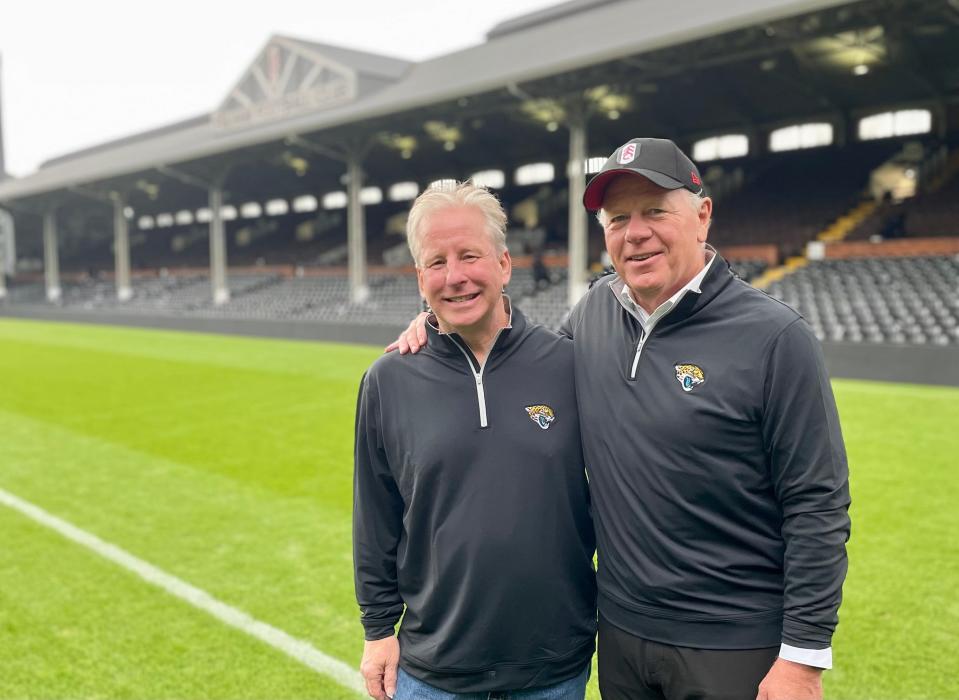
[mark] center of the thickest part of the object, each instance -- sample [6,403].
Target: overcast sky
[75,74]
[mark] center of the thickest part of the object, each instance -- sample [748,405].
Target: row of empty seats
[876,300]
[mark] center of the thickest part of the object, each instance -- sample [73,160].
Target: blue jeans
[409,688]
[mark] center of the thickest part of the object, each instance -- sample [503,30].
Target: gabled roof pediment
[290,76]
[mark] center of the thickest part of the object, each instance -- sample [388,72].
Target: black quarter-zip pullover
[717,468]
[471,512]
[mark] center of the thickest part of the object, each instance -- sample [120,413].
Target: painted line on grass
[302,651]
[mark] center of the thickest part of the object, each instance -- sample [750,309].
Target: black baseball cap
[659,160]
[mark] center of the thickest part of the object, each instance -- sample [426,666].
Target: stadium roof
[678,70]
[553,45]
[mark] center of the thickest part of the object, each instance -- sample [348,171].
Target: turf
[899,622]
[227,462]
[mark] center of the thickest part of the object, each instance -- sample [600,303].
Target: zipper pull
[639,350]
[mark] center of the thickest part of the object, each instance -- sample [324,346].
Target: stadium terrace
[825,130]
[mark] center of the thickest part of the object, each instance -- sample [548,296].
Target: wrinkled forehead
[629,186]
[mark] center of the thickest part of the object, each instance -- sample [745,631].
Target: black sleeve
[810,476]
[377,521]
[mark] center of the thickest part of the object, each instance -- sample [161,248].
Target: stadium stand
[327,298]
[878,300]
[929,214]
[24,292]
[790,197]
[173,293]
[394,298]
[504,106]
[547,306]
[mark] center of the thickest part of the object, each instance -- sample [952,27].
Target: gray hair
[695,201]
[456,194]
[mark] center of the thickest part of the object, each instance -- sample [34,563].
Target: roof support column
[51,257]
[121,250]
[356,231]
[351,152]
[578,220]
[218,275]
[8,251]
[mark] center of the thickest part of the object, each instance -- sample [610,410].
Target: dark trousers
[631,668]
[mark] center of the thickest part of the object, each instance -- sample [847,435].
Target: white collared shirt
[649,320]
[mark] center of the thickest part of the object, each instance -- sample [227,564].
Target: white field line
[298,649]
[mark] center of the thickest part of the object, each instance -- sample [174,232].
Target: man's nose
[637,230]
[455,273]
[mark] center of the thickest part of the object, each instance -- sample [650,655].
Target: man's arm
[377,523]
[809,472]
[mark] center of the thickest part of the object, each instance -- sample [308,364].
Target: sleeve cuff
[819,658]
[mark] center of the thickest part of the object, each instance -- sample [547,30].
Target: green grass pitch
[227,462]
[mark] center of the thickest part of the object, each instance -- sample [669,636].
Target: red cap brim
[596,189]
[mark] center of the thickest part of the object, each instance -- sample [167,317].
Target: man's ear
[506,265]
[705,215]
[419,282]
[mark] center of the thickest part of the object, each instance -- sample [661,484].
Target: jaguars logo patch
[541,414]
[689,376]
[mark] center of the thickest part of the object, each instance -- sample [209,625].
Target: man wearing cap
[717,468]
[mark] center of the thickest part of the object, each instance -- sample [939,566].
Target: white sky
[75,74]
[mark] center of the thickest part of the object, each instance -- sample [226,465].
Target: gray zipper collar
[618,286]
[477,373]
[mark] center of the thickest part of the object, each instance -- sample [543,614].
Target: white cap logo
[627,154]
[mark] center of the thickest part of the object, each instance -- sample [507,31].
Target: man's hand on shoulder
[413,338]
[379,667]
[788,680]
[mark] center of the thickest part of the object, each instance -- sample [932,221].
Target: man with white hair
[717,467]
[471,508]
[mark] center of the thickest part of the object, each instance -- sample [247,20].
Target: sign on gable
[285,80]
